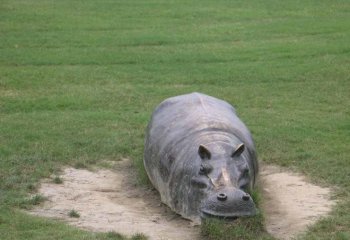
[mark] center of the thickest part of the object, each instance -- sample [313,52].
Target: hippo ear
[238,151]
[203,152]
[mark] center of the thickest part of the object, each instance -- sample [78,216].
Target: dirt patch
[290,203]
[109,200]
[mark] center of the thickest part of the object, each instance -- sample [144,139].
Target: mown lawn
[79,80]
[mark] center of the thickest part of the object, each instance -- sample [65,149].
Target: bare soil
[290,203]
[110,200]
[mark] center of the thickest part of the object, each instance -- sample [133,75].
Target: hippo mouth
[228,204]
[208,214]
[230,216]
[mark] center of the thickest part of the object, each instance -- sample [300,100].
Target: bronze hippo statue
[201,158]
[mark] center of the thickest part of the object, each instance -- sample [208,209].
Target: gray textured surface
[194,155]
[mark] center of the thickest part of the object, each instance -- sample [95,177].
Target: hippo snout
[228,203]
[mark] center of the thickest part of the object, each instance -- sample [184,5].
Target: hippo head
[223,179]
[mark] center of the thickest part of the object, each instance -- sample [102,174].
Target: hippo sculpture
[201,158]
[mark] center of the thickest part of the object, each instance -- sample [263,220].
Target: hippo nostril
[222,196]
[245,197]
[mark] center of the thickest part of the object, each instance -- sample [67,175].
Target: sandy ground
[109,200]
[290,203]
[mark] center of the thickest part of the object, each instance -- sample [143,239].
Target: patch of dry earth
[290,203]
[109,200]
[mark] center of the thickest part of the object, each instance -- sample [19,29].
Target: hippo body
[201,158]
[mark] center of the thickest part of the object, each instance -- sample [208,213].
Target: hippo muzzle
[229,203]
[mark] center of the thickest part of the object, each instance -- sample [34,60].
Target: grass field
[79,80]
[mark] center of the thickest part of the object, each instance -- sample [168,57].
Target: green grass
[79,80]
[17,225]
[57,180]
[241,228]
[73,214]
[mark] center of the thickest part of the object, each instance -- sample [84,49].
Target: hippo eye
[205,169]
